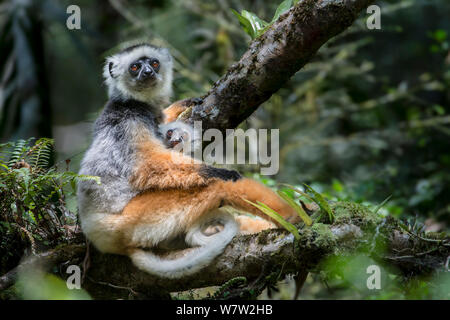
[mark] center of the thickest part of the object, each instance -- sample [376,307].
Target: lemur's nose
[147,73]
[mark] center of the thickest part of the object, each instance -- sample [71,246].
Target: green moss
[11,293]
[323,235]
[354,212]
[437,235]
[263,238]
[232,283]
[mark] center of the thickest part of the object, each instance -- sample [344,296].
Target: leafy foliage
[300,211]
[288,196]
[255,26]
[276,216]
[32,193]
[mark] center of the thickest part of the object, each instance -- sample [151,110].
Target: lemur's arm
[161,168]
[172,112]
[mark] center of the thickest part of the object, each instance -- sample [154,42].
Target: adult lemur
[149,194]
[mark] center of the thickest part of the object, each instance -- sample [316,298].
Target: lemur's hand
[172,112]
[192,101]
[220,173]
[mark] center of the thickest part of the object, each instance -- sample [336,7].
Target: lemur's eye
[169,133]
[155,64]
[135,67]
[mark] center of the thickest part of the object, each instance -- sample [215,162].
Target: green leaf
[24,173]
[337,186]
[282,8]
[381,205]
[245,23]
[302,214]
[41,153]
[320,200]
[440,35]
[275,216]
[251,23]
[256,22]
[289,192]
[298,191]
[73,185]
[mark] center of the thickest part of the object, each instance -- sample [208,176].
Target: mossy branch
[265,257]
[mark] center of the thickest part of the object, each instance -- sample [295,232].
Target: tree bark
[272,59]
[257,260]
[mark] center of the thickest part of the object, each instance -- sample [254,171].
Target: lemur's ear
[110,66]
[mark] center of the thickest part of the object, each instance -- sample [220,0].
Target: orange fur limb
[254,191]
[161,168]
[248,225]
[172,112]
[189,205]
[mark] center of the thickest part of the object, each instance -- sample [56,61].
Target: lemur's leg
[166,214]
[188,205]
[249,225]
[235,192]
[156,215]
[220,193]
[159,168]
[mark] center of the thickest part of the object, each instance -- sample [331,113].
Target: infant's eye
[155,64]
[135,67]
[169,133]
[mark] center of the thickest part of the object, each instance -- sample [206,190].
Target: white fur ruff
[121,62]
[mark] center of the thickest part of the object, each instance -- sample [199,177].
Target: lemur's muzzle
[147,73]
[175,142]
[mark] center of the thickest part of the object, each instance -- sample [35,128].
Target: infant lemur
[151,196]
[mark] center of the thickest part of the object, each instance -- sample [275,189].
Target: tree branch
[271,254]
[272,59]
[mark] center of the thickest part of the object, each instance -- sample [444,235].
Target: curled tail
[205,250]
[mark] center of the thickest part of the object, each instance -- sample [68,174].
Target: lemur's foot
[213,229]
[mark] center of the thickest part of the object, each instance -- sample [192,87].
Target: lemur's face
[142,72]
[176,136]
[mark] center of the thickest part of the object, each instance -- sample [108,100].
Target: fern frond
[19,150]
[4,151]
[40,154]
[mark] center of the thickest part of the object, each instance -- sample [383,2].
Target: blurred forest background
[367,118]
